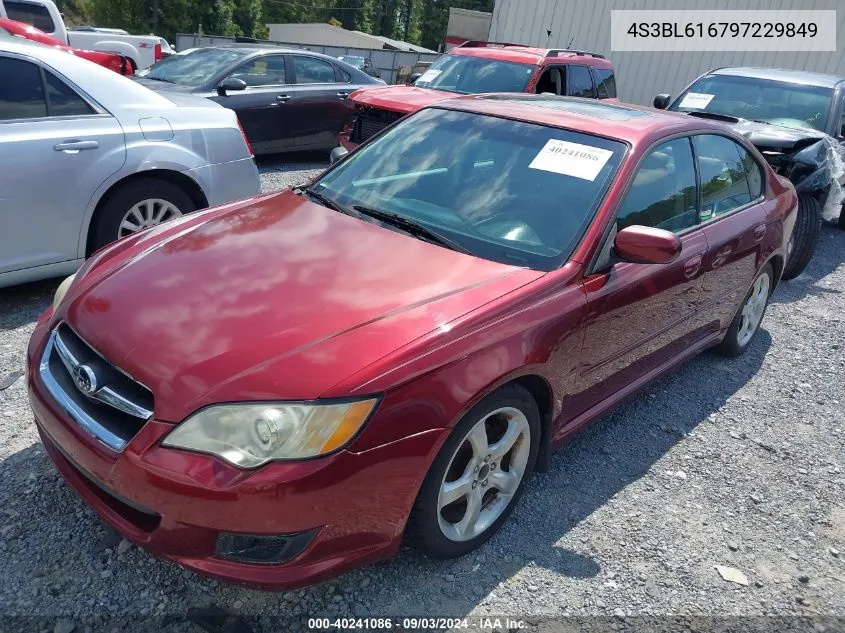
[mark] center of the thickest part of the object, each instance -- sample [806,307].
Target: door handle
[282,98]
[343,95]
[759,232]
[72,147]
[692,266]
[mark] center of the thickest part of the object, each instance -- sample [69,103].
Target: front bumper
[176,504]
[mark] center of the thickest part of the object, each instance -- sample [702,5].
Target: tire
[434,527]
[746,323]
[109,221]
[805,236]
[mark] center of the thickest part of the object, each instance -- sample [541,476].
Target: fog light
[262,549]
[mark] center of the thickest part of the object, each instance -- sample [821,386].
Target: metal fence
[385,62]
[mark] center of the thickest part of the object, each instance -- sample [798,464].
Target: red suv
[285,388]
[479,67]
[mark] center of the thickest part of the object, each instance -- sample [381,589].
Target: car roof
[635,125]
[782,74]
[529,54]
[269,48]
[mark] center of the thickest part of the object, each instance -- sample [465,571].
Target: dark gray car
[286,100]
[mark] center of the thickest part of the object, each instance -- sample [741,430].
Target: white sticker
[697,100]
[571,159]
[429,75]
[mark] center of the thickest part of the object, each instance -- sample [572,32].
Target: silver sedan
[88,156]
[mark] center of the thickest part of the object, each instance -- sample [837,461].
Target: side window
[310,70]
[605,82]
[21,91]
[578,82]
[756,179]
[343,75]
[724,185]
[35,14]
[63,99]
[262,71]
[663,194]
[841,129]
[550,81]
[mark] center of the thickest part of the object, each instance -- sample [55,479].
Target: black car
[286,100]
[786,115]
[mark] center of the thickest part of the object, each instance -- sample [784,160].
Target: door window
[310,70]
[550,81]
[724,185]
[578,82]
[605,82]
[62,99]
[21,91]
[35,14]
[262,71]
[663,194]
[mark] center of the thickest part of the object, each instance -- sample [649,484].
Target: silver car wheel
[145,214]
[484,474]
[752,311]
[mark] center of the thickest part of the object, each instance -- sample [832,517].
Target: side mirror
[337,153]
[413,78]
[647,245]
[230,83]
[661,101]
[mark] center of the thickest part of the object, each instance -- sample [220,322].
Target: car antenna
[568,46]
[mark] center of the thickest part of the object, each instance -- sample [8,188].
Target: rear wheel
[478,476]
[747,321]
[805,236]
[137,205]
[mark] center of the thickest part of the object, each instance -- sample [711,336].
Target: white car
[142,50]
[99,157]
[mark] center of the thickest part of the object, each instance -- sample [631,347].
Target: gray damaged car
[89,156]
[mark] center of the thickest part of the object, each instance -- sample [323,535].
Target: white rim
[752,311]
[484,474]
[145,214]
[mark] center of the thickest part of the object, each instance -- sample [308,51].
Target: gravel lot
[735,463]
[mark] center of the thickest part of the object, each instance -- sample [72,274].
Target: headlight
[61,291]
[249,435]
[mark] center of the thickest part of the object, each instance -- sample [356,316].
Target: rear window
[509,191]
[34,14]
[605,82]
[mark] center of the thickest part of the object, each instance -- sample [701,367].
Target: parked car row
[289,386]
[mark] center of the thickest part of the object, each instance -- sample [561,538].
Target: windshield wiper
[324,200]
[411,226]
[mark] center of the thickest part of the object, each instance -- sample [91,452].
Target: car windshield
[193,69]
[766,100]
[356,62]
[472,75]
[508,191]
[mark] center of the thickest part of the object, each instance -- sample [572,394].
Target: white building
[585,24]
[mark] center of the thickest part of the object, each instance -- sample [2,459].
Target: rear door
[322,102]
[264,107]
[579,82]
[734,221]
[641,315]
[60,147]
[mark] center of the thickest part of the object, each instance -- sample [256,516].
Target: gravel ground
[734,463]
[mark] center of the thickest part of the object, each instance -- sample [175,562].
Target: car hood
[273,298]
[404,99]
[775,137]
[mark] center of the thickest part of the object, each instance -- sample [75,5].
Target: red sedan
[282,389]
[112,61]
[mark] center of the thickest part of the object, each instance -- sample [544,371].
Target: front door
[57,150]
[322,103]
[640,315]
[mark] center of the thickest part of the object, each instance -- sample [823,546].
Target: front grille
[104,401]
[371,121]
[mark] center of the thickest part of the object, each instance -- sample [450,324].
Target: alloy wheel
[484,474]
[145,214]
[752,311]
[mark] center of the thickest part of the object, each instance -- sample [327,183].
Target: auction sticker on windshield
[571,159]
[697,100]
[429,75]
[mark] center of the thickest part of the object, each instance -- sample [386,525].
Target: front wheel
[478,476]
[805,236]
[747,321]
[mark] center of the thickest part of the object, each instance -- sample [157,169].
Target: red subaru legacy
[281,389]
